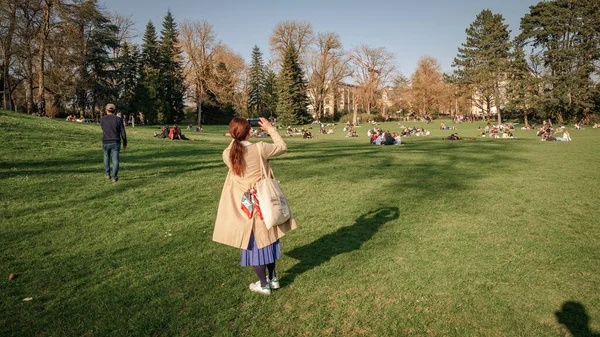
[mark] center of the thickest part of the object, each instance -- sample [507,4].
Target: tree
[44,32]
[96,74]
[374,71]
[128,79]
[229,69]
[172,83]
[27,30]
[482,60]
[401,93]
[149,90]
[291,106]
[270,97]
[291,33]
[327,68]
[8,25]
[125,31]
[566,36]
[524,88]
[256,83]
[428,88]
[199,42]
[150,52]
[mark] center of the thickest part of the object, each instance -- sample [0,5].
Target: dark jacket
[113,130]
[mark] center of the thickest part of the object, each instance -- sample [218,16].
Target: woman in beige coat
[238,224]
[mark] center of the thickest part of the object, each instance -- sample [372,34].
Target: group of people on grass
[381,137]
[414,131]
[548,134]
[305,133]
[491,130]
[443,126]
[172,133]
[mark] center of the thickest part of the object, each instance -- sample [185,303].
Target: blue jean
[111,150]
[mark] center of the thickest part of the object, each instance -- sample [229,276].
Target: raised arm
[278,147]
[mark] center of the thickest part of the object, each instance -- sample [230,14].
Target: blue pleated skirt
[260,257]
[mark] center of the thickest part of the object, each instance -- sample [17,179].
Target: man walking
[112,132]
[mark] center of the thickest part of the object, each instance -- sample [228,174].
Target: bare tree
[374,71]
[125,30]
[229,71]
[27,29]
[199,43]
[44,32]
[401,95]
[428,87]
[298,34]
[8,24]
[327,68]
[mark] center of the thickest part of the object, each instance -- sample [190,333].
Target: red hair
[238,129]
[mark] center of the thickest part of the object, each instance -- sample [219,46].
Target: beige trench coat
[232,227]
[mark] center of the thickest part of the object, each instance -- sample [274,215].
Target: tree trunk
[354,118]
[199,102]
[497,102]
[43,36]
[525,119]
[29,85]
[6,99]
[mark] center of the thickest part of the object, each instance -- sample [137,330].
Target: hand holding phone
[264,123]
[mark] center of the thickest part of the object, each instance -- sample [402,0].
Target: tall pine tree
[292,100]
[149,91]
[172,84]
[483,59]
[270,97]
[256,84]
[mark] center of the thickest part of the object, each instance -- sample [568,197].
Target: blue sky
[409,29]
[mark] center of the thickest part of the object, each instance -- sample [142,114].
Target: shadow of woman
[574,317]
[344,240]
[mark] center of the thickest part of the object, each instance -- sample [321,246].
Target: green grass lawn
[484,237]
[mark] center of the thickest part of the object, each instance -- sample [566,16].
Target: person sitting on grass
[164,132]
[565,137]
[397,138]
[453,136]
[175,134]
[307,135]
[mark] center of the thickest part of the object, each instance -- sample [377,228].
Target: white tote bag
[273,204]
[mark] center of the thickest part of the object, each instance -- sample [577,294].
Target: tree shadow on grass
[574,317]
[344,240]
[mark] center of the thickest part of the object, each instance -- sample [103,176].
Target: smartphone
[253,122]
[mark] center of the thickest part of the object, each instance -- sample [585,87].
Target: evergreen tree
[150,53]
[256,84]
[172,86]
[292,100]
[483,59]
[270,94]
[150,84]
[128,82]
[523,89]
[567,35]
[94,81]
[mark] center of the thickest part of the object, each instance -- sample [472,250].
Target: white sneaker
[274,283]
[266,290]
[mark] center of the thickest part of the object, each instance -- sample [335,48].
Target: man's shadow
[574,317]
[344,240]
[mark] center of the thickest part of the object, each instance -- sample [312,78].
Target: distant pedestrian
[113,130]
